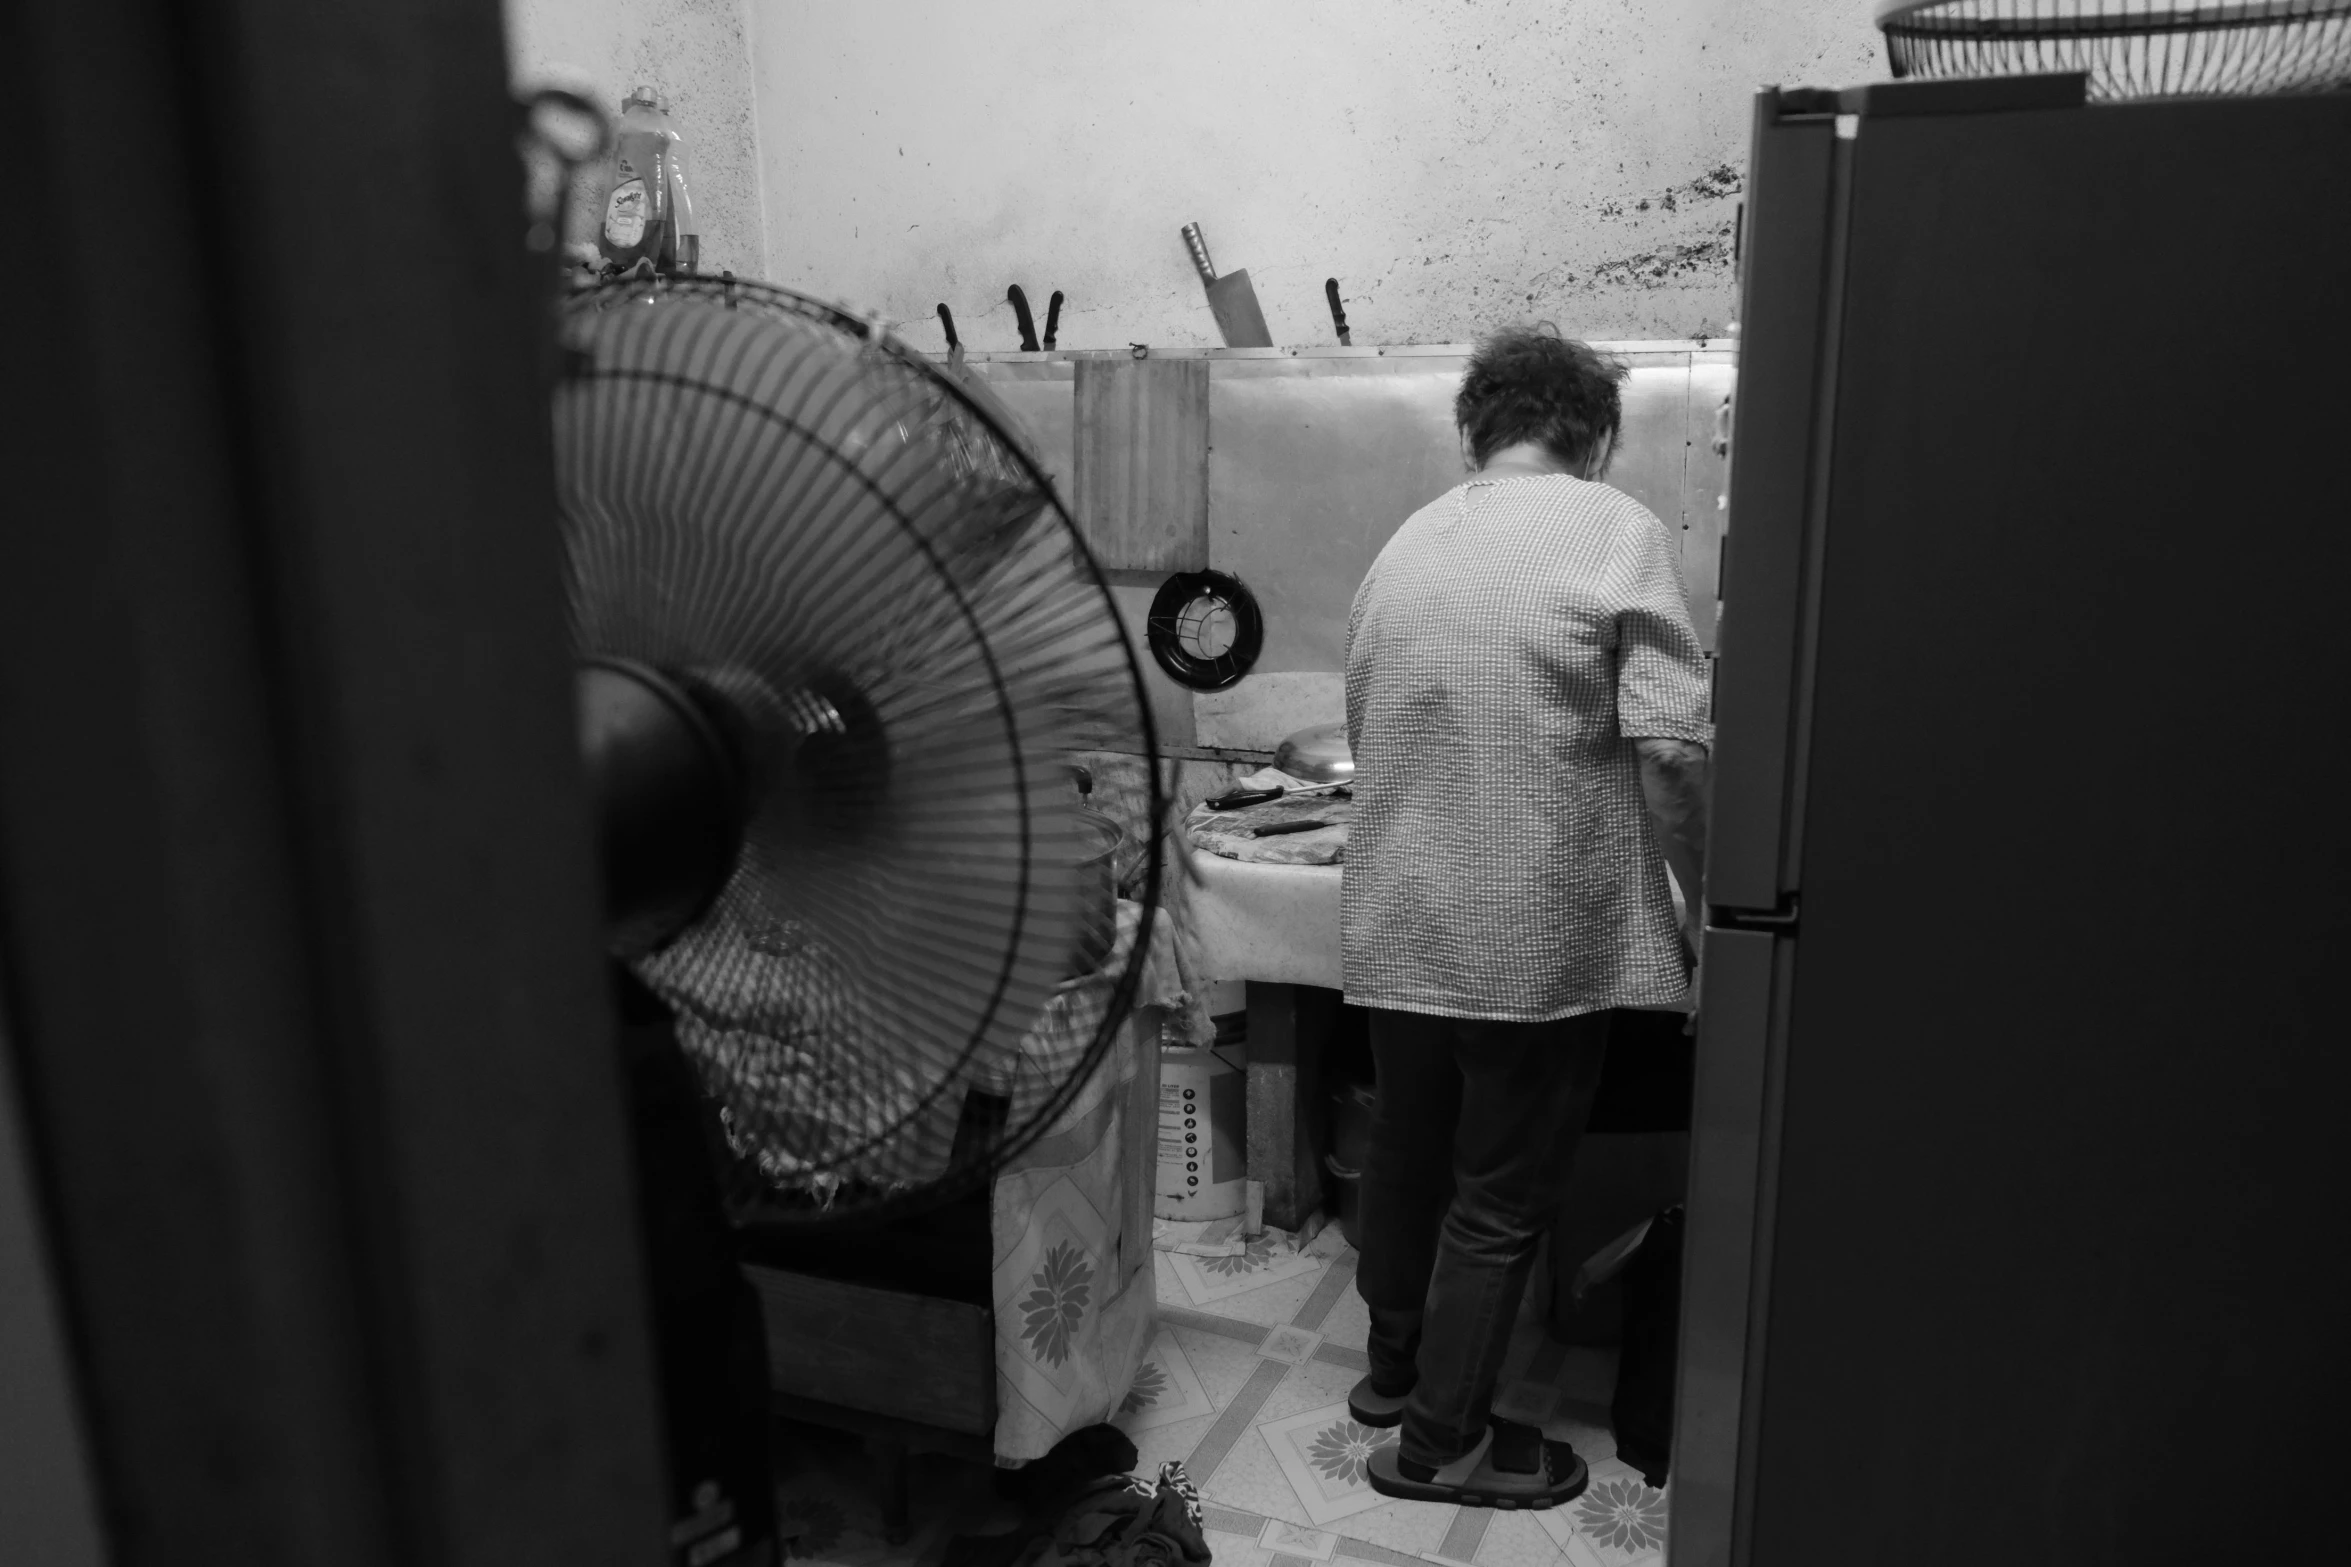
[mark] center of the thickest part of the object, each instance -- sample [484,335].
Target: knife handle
[1198,244]
[1020,314]
[1330,291]
[1277,829]
[1235,799]
[947,320]
[1053,319]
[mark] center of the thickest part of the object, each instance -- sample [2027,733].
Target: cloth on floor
[1044,1491]
[1127,1522]
[1232,834]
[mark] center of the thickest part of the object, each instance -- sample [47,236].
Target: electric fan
[2129,48]
[840,646]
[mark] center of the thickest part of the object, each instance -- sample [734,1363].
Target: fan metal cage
[777,503]
[2128,48]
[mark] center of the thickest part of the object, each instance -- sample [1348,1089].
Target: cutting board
[1140,486]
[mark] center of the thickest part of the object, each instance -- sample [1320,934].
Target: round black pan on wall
[1205,629]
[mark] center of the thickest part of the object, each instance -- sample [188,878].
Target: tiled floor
[1246,1381]
[1273,1343]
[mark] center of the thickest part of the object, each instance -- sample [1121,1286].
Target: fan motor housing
[668,797]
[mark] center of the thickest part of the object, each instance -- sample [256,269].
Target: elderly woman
[1527,704]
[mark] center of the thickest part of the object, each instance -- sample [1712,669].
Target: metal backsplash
[1316,456]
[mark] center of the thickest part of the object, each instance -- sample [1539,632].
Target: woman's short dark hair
[1527,383]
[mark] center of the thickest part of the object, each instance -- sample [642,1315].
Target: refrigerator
[2018,1193]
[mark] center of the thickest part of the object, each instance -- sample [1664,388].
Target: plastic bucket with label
[1203,1135]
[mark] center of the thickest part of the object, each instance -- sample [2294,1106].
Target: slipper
[1475,1479]
[1373,1408]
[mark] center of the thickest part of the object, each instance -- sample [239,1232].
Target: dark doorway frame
[296,898]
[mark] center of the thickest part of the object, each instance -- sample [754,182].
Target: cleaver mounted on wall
[1232,297]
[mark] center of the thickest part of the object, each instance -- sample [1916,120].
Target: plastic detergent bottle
[649,213]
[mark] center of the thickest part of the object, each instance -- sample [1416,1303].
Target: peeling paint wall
[693,54]
[1455,163]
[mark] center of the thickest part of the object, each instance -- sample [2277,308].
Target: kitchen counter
[1269,923]
[1277,928]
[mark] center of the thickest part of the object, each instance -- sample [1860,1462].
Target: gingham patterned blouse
[1506,648]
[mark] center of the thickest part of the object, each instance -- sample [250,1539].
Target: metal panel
[1316,456]
[1038,392]
[1308,477]
[1315,462]
[1786,258]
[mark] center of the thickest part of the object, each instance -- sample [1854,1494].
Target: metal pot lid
[1318,755]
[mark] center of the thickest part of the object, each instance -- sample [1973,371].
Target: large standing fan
[839,649]
[841,646]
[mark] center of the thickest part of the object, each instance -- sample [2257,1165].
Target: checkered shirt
[1507,646]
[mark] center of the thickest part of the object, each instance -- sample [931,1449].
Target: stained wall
[1453,162]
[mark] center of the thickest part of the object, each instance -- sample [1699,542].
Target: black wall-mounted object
[1181,612]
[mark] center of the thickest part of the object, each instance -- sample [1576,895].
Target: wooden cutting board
[1140,489]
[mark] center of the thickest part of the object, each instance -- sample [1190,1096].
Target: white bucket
[1203,1133]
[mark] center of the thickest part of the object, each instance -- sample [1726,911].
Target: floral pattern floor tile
[1207,1281]
[1223,1365]
[1240,1382]
[1517,1540]
[1299,1468]
[1166,1391]
[1349,1322]
[1323,1454]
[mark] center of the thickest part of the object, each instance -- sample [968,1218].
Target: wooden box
[920,1358]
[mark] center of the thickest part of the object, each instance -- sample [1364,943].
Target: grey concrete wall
[1454,162]
[694,54]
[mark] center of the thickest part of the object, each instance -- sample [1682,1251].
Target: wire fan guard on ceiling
[774,503]
[2129,48]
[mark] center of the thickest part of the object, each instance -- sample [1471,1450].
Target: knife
[1052,320]
[1330,291]
[1020,314]
[947,320]
[1235,799]
[1231,298]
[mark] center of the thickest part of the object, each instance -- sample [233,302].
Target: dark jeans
[1471,1144]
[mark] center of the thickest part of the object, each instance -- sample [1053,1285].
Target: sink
[1277,924]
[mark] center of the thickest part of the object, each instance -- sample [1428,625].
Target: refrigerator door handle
[1781,919]
[1786,360]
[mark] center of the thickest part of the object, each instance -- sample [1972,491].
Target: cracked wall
[1455,163]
